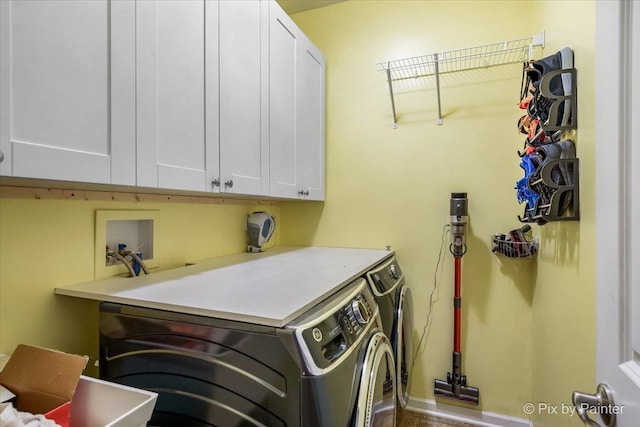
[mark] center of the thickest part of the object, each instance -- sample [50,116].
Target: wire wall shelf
[471,58]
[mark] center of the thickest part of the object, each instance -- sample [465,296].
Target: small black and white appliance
[260,227]
[394,299]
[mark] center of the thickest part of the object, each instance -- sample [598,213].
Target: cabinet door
[285,51]
[296,99]
[310,122]
[68,90]
[244,144]
[171,110]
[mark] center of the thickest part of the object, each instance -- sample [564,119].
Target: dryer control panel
[385,278]
[334,331]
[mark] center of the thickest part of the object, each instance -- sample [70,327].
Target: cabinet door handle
[303,193]
[229,183]
[1,156]
[216,182]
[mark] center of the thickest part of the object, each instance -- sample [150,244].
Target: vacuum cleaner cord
[425,335]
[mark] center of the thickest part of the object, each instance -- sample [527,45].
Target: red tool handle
[457,308]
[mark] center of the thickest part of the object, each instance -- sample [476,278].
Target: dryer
[395,303]
[332,366]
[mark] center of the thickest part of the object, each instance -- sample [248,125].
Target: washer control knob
[393,272]
[360,312]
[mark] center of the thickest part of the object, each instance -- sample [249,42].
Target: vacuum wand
[455,387]
[458,212]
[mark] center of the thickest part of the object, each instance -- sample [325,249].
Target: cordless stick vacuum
[455,387]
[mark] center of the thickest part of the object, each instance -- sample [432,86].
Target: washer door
[377,392]
[402,343]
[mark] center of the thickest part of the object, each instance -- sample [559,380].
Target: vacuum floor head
[461,393]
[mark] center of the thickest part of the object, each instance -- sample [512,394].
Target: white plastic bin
[98,403]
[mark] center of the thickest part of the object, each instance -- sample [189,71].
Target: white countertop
[270,288]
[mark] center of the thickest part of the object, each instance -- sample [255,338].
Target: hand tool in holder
[455,387]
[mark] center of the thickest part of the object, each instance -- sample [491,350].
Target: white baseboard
[459,413]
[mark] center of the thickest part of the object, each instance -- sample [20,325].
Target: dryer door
[402,343]
[377,392]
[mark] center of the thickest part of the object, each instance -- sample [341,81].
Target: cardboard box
[44,381]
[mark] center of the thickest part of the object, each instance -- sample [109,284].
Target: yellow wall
[564,288]
[45,244]
[391,187]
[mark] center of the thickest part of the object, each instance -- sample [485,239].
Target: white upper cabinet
[173,115]
[67,90]
[285,47]
[202,95]
[310,121]
[296,108]
[244,95]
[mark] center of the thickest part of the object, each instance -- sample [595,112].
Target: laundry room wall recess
[451,61]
